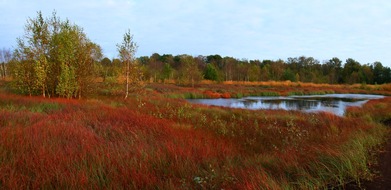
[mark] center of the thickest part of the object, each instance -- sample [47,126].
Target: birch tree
[38,37]
[189,74]
[5,57]
[127,50]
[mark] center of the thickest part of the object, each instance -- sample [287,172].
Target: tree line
[56,58]
[186,69]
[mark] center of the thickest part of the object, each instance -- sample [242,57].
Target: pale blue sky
[251,29]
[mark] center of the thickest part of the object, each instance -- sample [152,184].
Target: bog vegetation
[154,139]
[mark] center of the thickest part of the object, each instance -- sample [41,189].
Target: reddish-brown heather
[150,142]
[210,94]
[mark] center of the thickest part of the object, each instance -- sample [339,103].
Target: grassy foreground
[154,141]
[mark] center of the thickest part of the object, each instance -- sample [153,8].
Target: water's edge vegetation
[331,103]
[156,140]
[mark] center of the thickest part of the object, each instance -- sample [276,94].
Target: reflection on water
[334,103]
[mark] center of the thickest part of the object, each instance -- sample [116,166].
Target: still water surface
[333,103]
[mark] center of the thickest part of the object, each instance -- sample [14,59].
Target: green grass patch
[266,93]
[237,95]
[36,107]
[302,93]
[191,95]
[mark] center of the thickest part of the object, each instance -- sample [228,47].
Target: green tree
[189,74]
[210,73]
[216,60]
[351,71]
[228,68]
[67,81]
[387,74]
[367,74]
[265,70]
[126,50]
[277,69]
[155,67]
[332,69]
[167,72]
[289,75]
[254,72]
[88,56]
[378,73]
[36,47]
[106,68]
[23,74]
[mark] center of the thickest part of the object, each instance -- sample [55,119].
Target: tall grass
[155,142]
[301,93]
[18,103]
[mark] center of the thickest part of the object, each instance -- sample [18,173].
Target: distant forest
[185,69]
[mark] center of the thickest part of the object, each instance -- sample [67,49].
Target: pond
[333,103]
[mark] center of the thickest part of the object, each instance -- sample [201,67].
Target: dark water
[333,103]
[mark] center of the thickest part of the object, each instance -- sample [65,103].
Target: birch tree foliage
[67,85]
[56,58]
[189,74]
[35,47]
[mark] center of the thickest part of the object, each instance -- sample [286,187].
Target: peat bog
[157,140]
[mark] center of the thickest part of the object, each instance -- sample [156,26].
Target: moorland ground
[156,140]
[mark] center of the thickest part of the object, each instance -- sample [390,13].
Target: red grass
[211,94]
[152,142]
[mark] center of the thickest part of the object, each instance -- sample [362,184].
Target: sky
[243,29]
